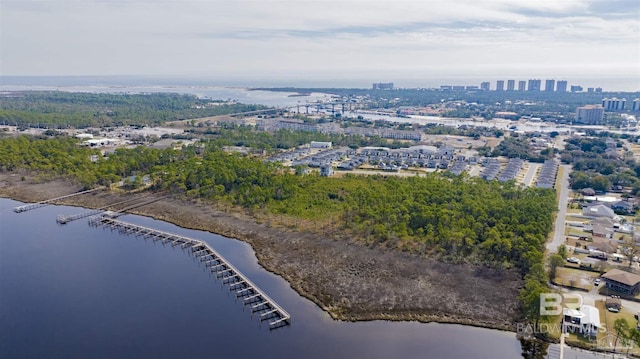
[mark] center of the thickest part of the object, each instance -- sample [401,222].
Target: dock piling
[243,287]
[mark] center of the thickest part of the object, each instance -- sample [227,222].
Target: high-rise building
[576,88]
[511,85]
[382,86]
[485,86]
[590,114]
[636,105]
[549,85]
[522,85]
[561,86]
[534,85]
[613,104]
[598,89]
[500,85]
[589,89]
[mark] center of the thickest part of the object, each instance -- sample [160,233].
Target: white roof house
[585,321]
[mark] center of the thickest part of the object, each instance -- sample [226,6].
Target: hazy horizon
[607,84]
[345,42]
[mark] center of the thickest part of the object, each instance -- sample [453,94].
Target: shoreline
[349,281]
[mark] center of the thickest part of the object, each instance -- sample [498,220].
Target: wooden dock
[245,290]
[64,219]
[30,206]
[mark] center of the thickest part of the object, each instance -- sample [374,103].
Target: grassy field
[607,319]
[577,278]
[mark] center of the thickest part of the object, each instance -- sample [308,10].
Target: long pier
[64,219]
[30,206]
[245,290]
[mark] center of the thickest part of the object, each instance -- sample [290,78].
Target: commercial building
[561,86]
[549,85]
[511,85]
[590,114]
[500,85]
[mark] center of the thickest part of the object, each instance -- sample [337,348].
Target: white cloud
[234,38]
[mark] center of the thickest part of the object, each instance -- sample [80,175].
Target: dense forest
[456,219]
[51,109]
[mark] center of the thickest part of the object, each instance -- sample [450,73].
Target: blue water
[200,88]
[625,83]
[75,291]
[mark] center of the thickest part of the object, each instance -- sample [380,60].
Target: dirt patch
[350,281]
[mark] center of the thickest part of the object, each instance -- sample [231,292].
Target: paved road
[528,178]
[563,200]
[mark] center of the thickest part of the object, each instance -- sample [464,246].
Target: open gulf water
[75,291]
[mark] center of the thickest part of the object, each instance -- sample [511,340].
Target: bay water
[75,291]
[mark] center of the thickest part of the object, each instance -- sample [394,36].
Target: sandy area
[350,281]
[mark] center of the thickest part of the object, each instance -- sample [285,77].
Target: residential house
[602,231]
[319,144]
[621,281]
[326,171]
[602,244]
[598,210]
[585,321]
[446,150]
[622,207]
[608,223]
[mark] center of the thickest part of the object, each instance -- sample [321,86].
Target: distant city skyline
[410,43]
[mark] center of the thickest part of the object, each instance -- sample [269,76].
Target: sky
[349,40]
